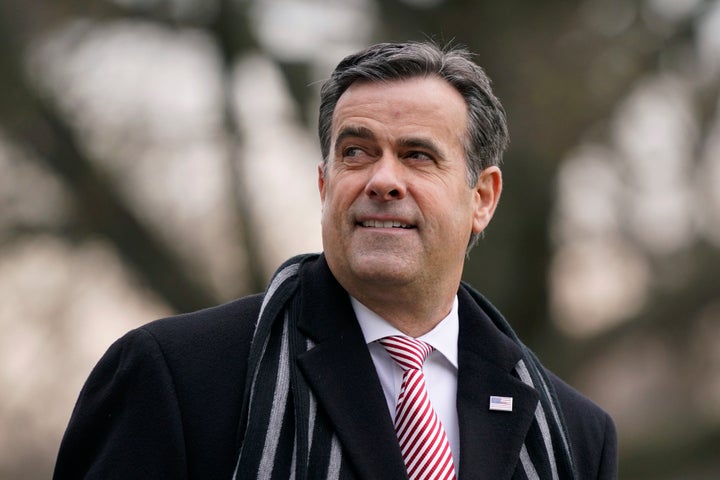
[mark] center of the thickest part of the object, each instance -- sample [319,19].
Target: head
[486,137]
[411,140]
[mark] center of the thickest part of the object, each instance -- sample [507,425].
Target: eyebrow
[364,133]
[352,131]
[422,144]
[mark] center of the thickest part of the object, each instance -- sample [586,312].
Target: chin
[383,268]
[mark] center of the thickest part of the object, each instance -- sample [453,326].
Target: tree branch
[30,120]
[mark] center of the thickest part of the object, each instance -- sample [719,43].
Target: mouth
[385,224]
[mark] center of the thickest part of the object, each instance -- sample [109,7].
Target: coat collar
[490,441]
[341,374]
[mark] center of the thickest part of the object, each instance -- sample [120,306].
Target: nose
[386,180]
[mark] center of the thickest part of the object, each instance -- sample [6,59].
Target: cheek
[444,201]
[455,210]
[343,191]
[334,205]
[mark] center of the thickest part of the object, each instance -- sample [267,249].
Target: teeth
[385,224]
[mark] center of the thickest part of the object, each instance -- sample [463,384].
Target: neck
[412,314]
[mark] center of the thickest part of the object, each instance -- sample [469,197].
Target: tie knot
[408,353]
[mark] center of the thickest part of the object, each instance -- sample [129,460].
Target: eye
[355,155]
[419,156]
[352,152]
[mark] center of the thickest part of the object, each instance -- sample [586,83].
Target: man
[311,379]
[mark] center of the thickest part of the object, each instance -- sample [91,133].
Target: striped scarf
[286,437]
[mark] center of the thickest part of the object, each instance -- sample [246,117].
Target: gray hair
[487,134]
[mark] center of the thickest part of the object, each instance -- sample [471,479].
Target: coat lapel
[490,441]
[341,374]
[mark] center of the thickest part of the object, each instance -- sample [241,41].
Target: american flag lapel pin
[501,404]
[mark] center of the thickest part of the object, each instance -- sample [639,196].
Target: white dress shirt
[440,368]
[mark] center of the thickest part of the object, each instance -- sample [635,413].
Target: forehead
[420,102]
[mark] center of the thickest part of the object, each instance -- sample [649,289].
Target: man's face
[397,207]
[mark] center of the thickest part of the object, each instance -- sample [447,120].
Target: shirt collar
[444,337]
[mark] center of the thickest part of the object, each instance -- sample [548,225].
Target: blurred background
[159,156]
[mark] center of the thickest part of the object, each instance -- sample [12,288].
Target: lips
[385,224]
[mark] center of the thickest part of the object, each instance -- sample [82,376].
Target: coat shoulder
[214,324]
[206,351]
[166,395]
[592,432]
[205,354]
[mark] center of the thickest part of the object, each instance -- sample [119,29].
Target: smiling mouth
[385,224]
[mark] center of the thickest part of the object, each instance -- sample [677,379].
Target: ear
[486,194]
[321,182]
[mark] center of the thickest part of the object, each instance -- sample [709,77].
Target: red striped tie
[423,441]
